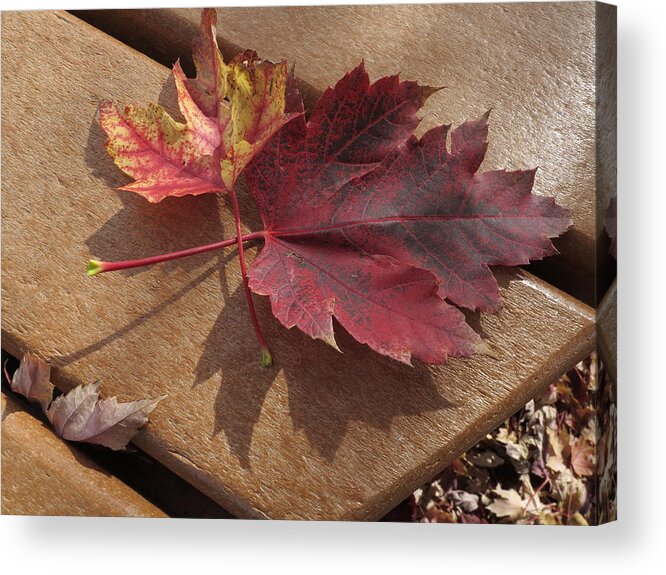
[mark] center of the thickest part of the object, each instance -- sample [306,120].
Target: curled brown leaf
[81,416]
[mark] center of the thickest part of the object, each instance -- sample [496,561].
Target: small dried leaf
[517,451]
[577,519]
[519,456]
[81,416]
[505,435]
[508,503]
[570,491]
[547,517]
[557,443]
[31,380]
[440,516]
[582,458]
[463,501]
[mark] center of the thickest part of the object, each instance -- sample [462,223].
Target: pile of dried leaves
[551,463]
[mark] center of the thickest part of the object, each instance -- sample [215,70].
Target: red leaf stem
[96,267]
[266,358]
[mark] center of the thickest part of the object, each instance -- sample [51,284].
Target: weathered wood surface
[607,331]
[44,475]
[533,64]
[320,435]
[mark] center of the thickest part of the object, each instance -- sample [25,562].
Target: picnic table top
[320,435]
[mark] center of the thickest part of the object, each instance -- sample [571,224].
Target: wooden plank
[607,331]
[44,475]
[533,64]
[320,435]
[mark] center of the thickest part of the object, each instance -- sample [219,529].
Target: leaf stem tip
[94,267]
[266,357]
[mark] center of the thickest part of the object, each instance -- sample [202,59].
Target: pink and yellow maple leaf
[230,111]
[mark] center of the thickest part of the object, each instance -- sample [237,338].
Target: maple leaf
[509,504]
[31,380]
[583,459]
[80,415]
[230,111]
[376,228]
[391,306]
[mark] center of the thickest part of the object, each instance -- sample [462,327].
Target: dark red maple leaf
[365,223]
[430,208]
[230,111]
[379,246]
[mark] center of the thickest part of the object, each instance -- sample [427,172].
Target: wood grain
[321,435]
[44,475]
[533,64]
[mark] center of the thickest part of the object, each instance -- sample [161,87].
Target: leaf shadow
[503,276]
[140,229]
[64,360]
[327,391]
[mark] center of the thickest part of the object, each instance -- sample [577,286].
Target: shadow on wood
[320,404]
